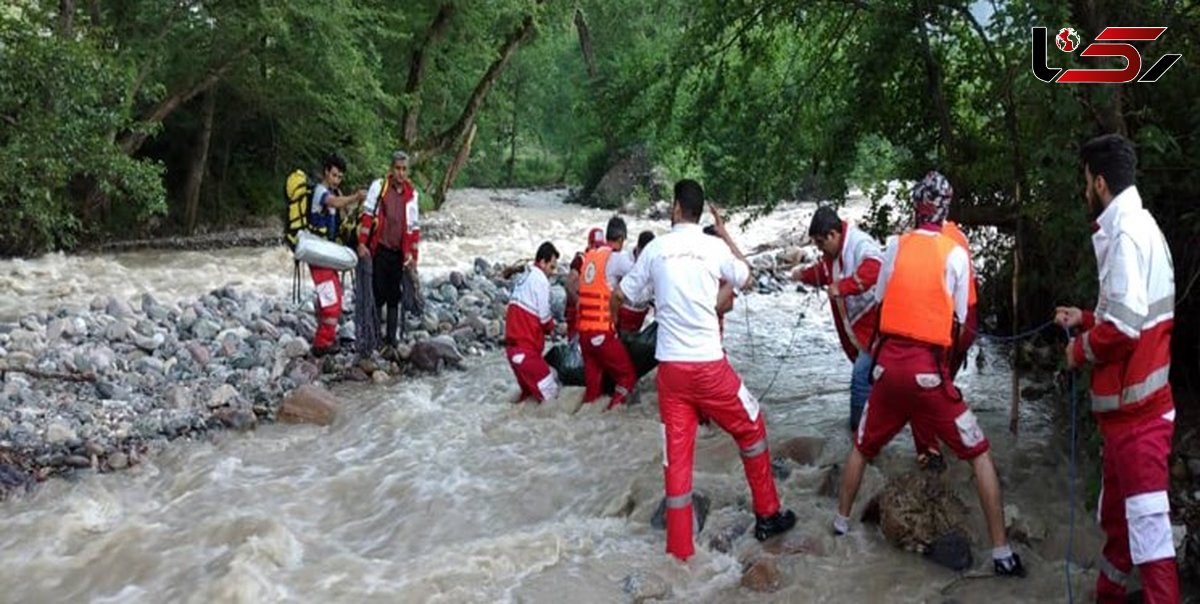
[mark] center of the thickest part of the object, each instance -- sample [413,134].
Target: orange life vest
[951,230]
[916,304]
[595,316]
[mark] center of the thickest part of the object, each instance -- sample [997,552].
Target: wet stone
[762,576]
[642,586]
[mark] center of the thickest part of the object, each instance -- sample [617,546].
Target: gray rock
[429,322]
[458,280]
[118,308]
[150,365]
[149,344]
[643,586]
[482,267]
[108,390]
[118,461]
[295,348]
[58,433]
[76,328]
[199,353]
[102,358]
[469,301]
[25,340]
[20,359]
[118,331]
[449,293]
[180,397]
[56,329]
[205,329]
[266,328]
[77,461]
[435,353]
[30,322]
[188,317]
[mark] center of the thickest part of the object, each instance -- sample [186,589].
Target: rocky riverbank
[95,389]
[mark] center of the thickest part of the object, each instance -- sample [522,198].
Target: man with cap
[922,290]
[849,268]
[681,271]
[595,239]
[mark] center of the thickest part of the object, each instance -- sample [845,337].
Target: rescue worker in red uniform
[681,271]
[326,201]
[631,318]
[527,322]
[848,269]
[389,232]
[1127,340]
[923,298]
[603,353]
[595,239]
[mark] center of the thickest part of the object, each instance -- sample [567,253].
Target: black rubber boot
[765,528]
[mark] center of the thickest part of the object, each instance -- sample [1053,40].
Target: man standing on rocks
[681,271]
[326,201]
[922,290]
[849,268]
[1128,342]
[389,232]
[526,325]
[603,353]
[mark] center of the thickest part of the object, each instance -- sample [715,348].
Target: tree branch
[416,71]
[442,141]
[133,141]
[933,74]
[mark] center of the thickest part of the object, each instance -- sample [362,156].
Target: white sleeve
[733,270]
[958,280]
[888,265]
[414,212]
[1125,286]
[637,284]
[372,199]
[619,265]
[542,297]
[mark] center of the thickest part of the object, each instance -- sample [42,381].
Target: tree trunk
[933,75]
[512,134]
[133,141]
[66,18]
[94,12]
[460,160]
[466,120]
[416,72]
[589,59]
[199,166]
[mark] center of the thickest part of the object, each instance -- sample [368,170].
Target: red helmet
[595,238]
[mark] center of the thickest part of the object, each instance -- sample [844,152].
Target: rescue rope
[1014,338]
[1071,471]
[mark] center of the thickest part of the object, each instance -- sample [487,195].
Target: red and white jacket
[1128,337]
[855,270]
[373,221]
[528,319]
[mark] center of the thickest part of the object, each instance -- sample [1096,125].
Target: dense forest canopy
[172,116]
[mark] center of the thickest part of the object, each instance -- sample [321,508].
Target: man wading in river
[1128,341]
[526,325]
[922,290]
[681,271]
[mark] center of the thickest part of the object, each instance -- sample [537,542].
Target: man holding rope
[848,269]
[1127,339]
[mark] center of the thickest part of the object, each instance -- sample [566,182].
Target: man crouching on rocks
[682,271]
[526,325]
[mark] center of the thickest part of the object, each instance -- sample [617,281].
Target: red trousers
[534,376]
[1135,514]
[686,390]
[912,385]
[328,305]
[604,354]
[923,439]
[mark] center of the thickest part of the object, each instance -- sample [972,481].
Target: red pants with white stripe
[535,377]
[923,439]
[686,390]
[328,305]
[911,385]
[1135,514]
[604,354]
